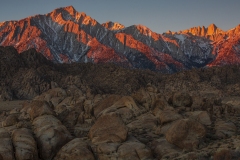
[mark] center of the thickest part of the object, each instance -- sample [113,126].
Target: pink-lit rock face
[227,51]
[65,35]
[212,32]
[113,25]
[149,52]
[101,53]
[22,35]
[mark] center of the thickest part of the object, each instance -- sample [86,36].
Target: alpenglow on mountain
[66,36]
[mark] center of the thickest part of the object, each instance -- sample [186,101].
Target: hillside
[28,74]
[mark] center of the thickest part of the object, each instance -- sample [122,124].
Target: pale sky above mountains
[158,15]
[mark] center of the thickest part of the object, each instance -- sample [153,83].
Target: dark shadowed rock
[6,94]
[148,97]
[107,150]
[186,134]
[167,116]
[6,147]
[226,154]
[126,107]
[75,149]
[164,128]
[133,149]
[201,116]
[105,103]
[225,129]
[50,134]
[30,85]
[108,128]
[10,120]
[55,96]
[162,147]
[145,121]
[24,144]
[39,108]
[181,99]
[159,105]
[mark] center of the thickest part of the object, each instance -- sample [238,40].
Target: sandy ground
[9,105]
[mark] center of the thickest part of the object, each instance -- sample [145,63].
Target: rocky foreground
[86,111]
[74,123]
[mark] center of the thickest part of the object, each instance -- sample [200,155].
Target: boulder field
[72,123]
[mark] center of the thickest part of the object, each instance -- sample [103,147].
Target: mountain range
[65,36]
[72,88]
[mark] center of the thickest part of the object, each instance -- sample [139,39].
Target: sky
[158,15]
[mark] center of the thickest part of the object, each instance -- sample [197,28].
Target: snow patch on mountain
[180,37]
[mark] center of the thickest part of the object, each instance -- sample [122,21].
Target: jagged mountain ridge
[65,35]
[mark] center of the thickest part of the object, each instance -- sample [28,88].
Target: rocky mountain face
[65,35]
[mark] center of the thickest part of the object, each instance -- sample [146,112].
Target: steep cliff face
[66,36]
[227,51]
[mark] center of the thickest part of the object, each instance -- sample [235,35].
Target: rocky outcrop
[212,32]
[168,116]
[6,147]
[75,149]
[10,120]
[201,116]
[51,135]
[186,134]
[107,150]
[108,128]
[225,129]
[225,153]
[24,144]
[113,25]
[181,99]
[133,149]
[125,107]
[105,103]
[162,147]
[39,108]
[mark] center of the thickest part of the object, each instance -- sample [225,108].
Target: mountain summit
[113,25]
[212,32]
[65,35]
